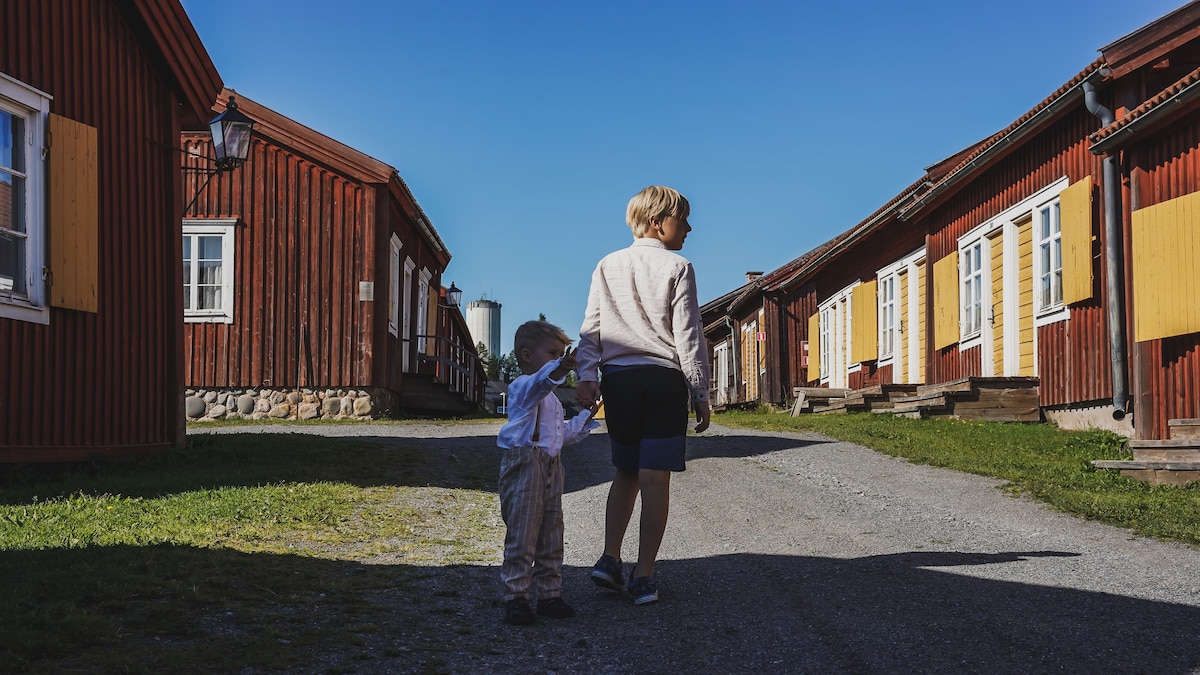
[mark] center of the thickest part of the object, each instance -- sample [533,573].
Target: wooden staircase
[994,399]
[1174,461]
[425,396]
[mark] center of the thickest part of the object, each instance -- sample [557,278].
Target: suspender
[537,422]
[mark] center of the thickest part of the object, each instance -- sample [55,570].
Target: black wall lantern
[231,136]
[231,132]
[453,295]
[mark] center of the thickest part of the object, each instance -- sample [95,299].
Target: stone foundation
[202,405]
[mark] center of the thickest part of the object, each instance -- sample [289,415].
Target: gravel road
[796,553]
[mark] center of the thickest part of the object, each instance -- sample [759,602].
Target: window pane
[1044,251]
[12,202]
[210,272]
[12,265]
[1057,220]
[1045,223]
[210,297]
[12,135]
[209,247]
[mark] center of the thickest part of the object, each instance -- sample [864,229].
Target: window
[972,289]
[394,287]
[208,271]
[887,316]
[23,115]
[1048,240]
[423,323]
[826,340]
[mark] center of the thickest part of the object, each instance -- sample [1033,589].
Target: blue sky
[523,128]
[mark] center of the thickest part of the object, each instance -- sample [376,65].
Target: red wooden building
[93,96]
[313,285]
[1059,250]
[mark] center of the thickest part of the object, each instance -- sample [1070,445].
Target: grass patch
[1039,460]
[254,551]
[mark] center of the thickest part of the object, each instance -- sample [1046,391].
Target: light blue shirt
[526,396]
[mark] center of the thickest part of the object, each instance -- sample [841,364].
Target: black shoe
[607,574]
[555,608]
[518,613]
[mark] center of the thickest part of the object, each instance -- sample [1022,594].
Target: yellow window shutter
[865,345]
[73,214]
[1166,278]
[945,301]
[1075,213]
[814,347]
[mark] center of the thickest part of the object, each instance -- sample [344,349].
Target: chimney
[753,276]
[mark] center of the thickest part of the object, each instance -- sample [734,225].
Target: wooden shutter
[814,347]
[1166,276]
[73,214]
[864,345]
[945,301]
[1075,218]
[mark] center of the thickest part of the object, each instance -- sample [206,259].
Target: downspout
[1112,257]
[735,357]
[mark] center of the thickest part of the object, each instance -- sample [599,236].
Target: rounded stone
[245,404]
[194,406]
[362,406]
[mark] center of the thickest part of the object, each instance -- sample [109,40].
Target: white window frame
[904,328]
[225,229]
[1047,274]
[973,278]
[886,293]
[406,315]
[423,310]
[394,286]
[32,106]
[837,312]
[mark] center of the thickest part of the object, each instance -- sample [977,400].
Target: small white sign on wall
[366,291]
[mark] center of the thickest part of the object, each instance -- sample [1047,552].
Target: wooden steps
[996,399]
[1170,461]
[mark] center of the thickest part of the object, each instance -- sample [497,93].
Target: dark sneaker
[607,574]
[518,613]
[644,590]
[555,608]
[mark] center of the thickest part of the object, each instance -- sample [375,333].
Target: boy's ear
[523,355]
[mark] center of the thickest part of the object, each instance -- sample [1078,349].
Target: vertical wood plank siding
[98,382]
[300,245]
[1073,355]
[1167,166]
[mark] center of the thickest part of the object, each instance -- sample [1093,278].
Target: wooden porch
[1174,461]
[992,399]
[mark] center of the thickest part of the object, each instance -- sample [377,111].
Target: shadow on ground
[165,607]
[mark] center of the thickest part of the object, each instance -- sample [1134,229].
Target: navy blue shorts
[646,410]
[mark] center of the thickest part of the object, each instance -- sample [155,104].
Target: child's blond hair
[532,333]
[652,202]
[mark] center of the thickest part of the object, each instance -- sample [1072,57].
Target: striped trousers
[531,487]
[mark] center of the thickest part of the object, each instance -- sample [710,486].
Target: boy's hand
[566,364]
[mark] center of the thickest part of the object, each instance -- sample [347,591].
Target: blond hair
[533,333]
[654,202]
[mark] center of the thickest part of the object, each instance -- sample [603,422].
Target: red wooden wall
[304,240]
[103,382]
[1067,351]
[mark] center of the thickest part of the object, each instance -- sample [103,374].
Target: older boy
[642,332]
[531,473]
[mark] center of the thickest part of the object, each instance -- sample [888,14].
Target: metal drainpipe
[1112,257]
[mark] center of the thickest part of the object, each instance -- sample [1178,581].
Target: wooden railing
[456,365]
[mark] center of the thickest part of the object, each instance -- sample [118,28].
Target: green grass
[243,551]
[1038,460]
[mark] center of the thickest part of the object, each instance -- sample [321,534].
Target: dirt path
[794,553]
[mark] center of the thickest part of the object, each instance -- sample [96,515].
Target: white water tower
[483,320]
